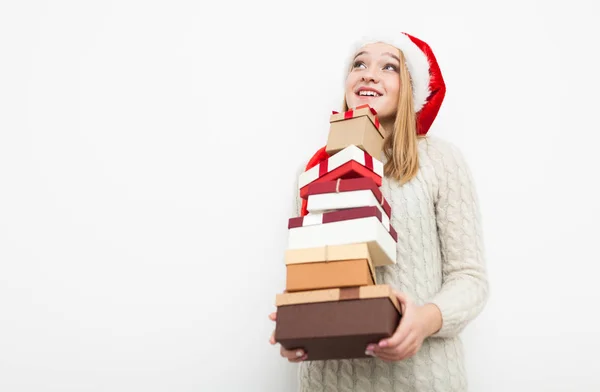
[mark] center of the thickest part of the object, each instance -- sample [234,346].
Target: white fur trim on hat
[416,61]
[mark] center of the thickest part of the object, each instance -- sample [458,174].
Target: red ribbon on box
[351,184]
[324,169]
[350,113]
[344,215]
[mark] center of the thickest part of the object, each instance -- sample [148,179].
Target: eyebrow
[388,53]
[393,55]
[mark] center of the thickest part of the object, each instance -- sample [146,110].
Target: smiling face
[374,79]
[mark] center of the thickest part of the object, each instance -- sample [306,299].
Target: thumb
[403,298]
[405,323]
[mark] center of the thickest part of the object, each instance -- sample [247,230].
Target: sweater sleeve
[464,290]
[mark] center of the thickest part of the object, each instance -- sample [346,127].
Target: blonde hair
[401,145]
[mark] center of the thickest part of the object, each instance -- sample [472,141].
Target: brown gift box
[329,267]
[360,127]
[330,274]
[336,323]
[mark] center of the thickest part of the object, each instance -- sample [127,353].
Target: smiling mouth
[366,93]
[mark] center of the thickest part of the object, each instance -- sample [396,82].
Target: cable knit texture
[439,260]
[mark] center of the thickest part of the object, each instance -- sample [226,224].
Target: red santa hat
[428,84]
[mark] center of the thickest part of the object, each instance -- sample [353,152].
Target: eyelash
[357,63]
[394,68]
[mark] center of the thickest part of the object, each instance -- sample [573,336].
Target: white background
[147,159]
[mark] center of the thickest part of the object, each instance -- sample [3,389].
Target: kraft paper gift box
[336,323]
[342,227]
[351,162]
[329,267]
[346,193]
[360,127]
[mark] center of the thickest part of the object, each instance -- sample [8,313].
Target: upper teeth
[365,92]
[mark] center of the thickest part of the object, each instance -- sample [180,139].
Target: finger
[403,349]
[304,358]
[293,355]
[400,334]
[273,317]
[405,322]
[410,351]
[403,298]
[397,355]
[389,350]
[388,357]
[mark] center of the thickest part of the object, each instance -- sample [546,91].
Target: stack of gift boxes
[333,306]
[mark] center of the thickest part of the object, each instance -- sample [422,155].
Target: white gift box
[370,230]
[336,201]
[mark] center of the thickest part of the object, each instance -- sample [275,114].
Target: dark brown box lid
[336,329]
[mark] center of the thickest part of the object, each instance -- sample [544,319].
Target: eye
[391,67]
[357,64]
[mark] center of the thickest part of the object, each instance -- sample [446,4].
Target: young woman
[439,276]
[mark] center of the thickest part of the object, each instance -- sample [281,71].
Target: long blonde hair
[401,146]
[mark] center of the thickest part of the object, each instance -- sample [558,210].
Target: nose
[369,76]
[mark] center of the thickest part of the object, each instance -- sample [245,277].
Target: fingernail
[383,343]
[370,347]
[299,353]
[369,352]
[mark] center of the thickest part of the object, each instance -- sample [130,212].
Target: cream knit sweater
[440,259]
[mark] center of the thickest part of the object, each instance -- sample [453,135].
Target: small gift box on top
[358,126]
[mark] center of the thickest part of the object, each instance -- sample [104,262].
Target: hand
[291,355]
[416,324]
